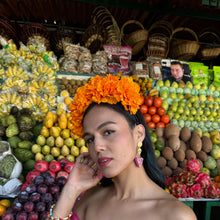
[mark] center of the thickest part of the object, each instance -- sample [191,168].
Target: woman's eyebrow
[100,126]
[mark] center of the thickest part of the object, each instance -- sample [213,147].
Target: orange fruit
[67,100]
[2,210]
[5,202]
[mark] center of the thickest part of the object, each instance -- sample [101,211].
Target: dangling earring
[139,160]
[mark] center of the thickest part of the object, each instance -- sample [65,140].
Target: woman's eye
[108,132]
[89,140]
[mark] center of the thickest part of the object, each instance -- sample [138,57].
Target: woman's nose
[98,145]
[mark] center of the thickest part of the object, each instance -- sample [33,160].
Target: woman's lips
[104,161]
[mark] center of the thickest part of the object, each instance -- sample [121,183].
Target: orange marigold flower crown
[109,89]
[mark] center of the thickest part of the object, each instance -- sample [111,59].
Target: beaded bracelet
[50,215]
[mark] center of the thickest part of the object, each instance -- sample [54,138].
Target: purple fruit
[31,188]
[61,181]
[8,216]
[45,174]
[23,196]
[43,215]
[49,180]
[42,188]
[38,180]
[33,216]
[35,197]
[16,207]
[40,207]
[28,206]
[53,189]
[47,197]
[21,216]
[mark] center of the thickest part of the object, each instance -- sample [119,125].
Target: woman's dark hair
[149,161]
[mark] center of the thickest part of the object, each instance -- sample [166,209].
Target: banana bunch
[2,72]
[15,83]
[43,87]
[52,100]
[10,98]
[4,110]
[38,105]
[44,72]
[16,72]
[153,92]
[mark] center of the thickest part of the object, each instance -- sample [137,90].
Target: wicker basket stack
[101,16]
[137,38]
[210,45]
[159,39]
[36,31]
[184,44]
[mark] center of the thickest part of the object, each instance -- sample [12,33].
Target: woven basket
[210,45]
[94,38]
[137,39]
[36,31]
[103,17]
[184,49]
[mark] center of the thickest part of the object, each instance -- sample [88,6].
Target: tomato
[148,100]
[157,102]
[160,111]
[151,125]
[142,100]
[165,119]
[143,109]
[152,110]
[160,124]
[147,117]
[155,118]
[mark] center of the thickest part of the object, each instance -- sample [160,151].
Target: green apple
[197,86]
[217,88]
[157,153]
[180,96]
[217,99]
[202,98]
[181,85]
[182,103]
[210,98]
[167,83]
[190,118]
[204,118]
[165,105]
[217,119]
[212,87]
[202,105]
[189,104]
[164,94]
[211,118]
[180,110]
[195,104]
[183,117]
[207,111]
[170,113]
[214,113]
[209,105]
[173,108]
[186,111]
[172,95]
[200,111]
[205,170]
[175,85]
[192,99]
[197,117]
[189,85]
[176,116]
[193,111]
[160,83]
[203,86]
[216,106]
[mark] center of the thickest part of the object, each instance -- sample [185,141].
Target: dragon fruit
[195,191]
[192,165]
[178,190]
[212,191]
[203,179]
[186,177]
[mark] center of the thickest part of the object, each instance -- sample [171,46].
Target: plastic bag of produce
[99,63]
[10,187]
[4,149]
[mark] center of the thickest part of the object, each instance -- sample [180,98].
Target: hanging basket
[137,39]
[210,45]
[103,17]
[183,48]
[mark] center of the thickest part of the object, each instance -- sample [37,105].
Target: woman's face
[177,71]
[111,143]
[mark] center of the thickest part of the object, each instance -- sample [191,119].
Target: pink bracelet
[50,214]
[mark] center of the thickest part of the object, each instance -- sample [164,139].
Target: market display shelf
[70,75]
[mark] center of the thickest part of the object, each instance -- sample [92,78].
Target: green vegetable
[13,141]
[36,130]
[29,165]
[23,154]
[11,119]
[26,135]
[4,121]
[7,164]
[25,123]
[12,130]
[25,145]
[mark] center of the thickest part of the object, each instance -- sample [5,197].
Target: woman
[105,111]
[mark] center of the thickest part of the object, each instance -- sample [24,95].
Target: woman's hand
[84,174]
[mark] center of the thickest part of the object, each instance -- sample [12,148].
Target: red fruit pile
[154,114]
[35,200]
